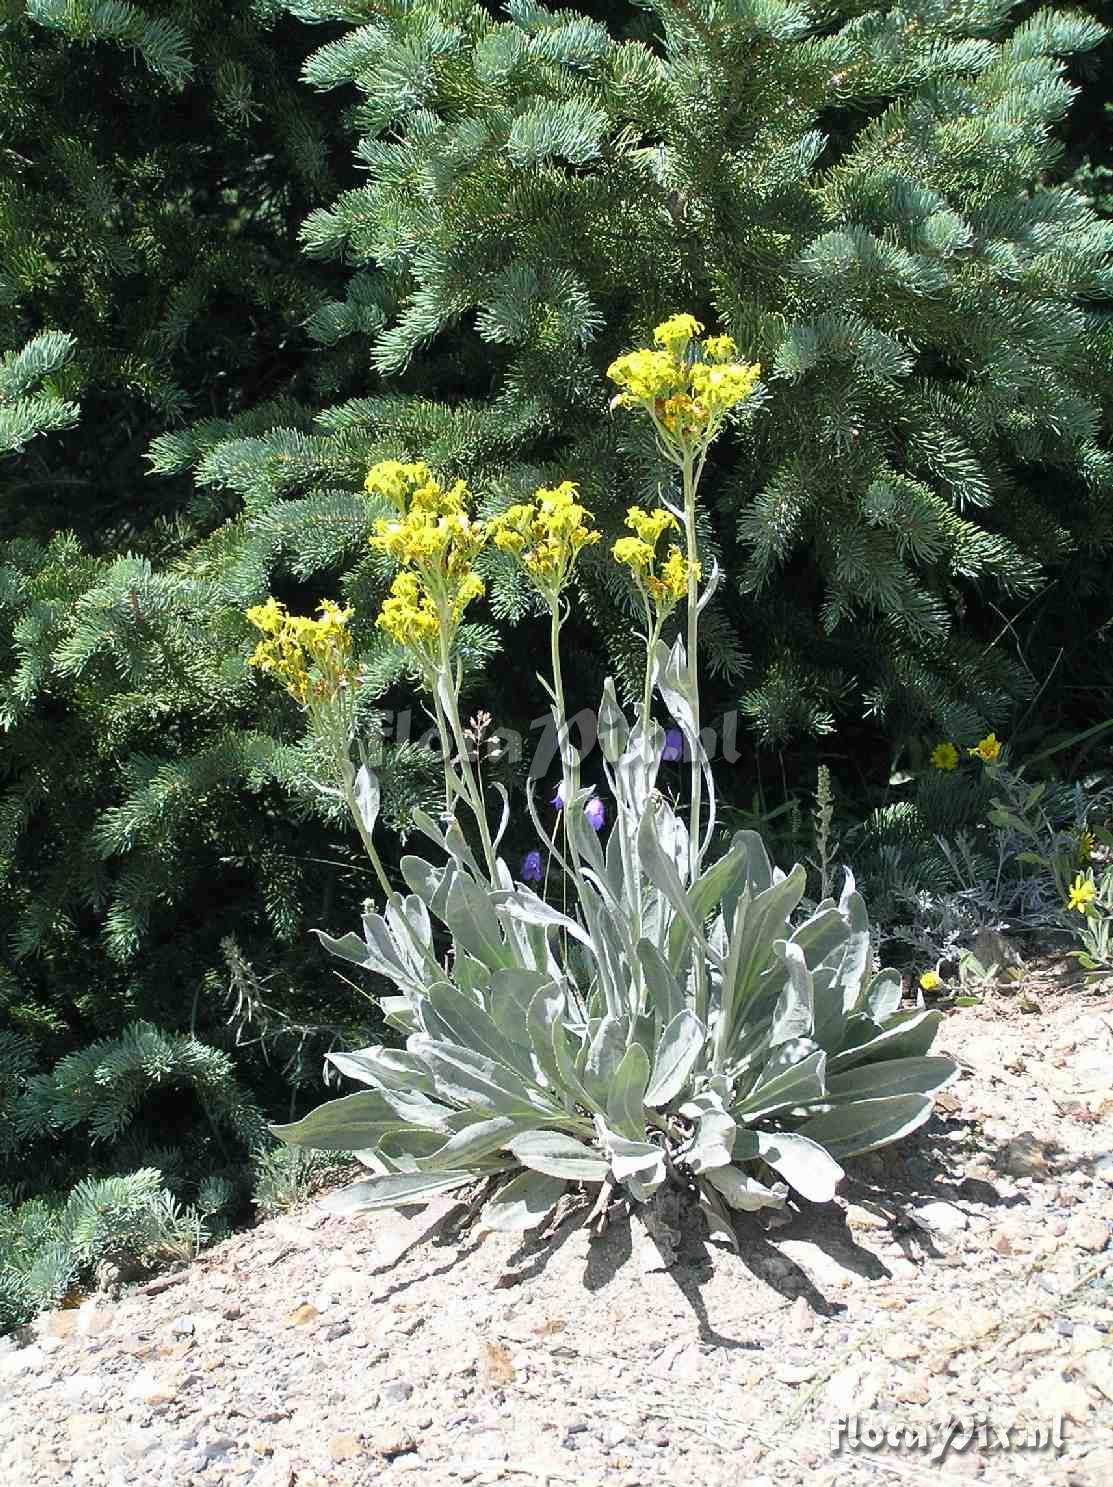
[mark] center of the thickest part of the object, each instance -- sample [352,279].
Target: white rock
[13,1364]
[939,1218]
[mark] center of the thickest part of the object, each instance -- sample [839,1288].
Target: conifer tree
[155,160]
[863,195]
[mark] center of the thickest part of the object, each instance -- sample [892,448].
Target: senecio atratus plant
[674,1026]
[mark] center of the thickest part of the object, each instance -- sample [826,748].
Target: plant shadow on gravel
[669,1234]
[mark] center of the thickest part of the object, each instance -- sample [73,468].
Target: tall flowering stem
[545,537]
[687,387]
[311,658]
[435,542]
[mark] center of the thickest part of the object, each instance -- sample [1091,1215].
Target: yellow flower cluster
[546,535]
[666,585]
[435,542]
[686,395]
[309,657]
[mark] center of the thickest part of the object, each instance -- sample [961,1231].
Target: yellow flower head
[686,386]
[1086,845]
[409,616]
[414,487]
[674,333]
[435,542]
[1083,891]
[645,376]
[546,535]
[944,756]
[664,586]
[309,657]
[931,981]
[988,748]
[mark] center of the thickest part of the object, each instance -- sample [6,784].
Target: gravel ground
[966,1277]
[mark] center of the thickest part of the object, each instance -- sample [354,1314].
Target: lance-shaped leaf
[626,1097]
[661,872]
[666,990]
[367,797]
[465,1148]
[758,922]
[522,1203]
[805,1165]
[794,1016]
[456,1018]
[567,1065]
[897,1076]
[848,1130]
[784,1088]
[422,878]
[678,1052]
[394,1189]
[510,993]
[474,925]
[559,1155]
[725,876]
[614,730]
[908,1035]
[388,1068]
[524,905]
[474,1080]
[356,1121]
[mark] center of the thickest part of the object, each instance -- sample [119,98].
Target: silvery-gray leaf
[678,1051]
[392,1068]
[351,1122]
[614,730]
[712,584]
[898,1076]
[641,1159]
[804,1164]
[523,1203]
[500,790]
[626,1097]
[463,1021]
[882,995]
[795,1012]
[422,877]
[801,1083]
[393,1190]
[907,1035]
[528,907]
[848,1130]
[481,1138]
[367,797]
[559,1155]
[743,1192]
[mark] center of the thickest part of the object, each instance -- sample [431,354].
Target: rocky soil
[966,1277]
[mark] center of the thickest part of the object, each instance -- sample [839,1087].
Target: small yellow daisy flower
[1083,891]
[987,748]
[944,756]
